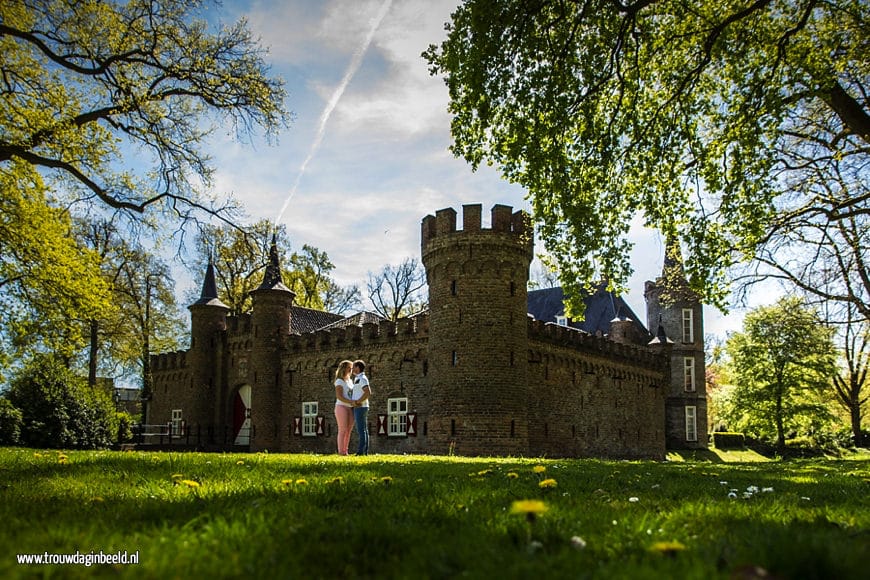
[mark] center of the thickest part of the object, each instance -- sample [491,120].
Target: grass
[289,516]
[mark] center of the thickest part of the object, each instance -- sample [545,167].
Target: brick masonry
[480,376]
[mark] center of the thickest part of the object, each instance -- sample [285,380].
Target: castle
[477,374]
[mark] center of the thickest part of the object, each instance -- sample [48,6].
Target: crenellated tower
[478,328]
[208,321]
[675,315]
[270,326]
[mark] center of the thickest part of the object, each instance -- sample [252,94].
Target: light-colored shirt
[346,391]
[360,382]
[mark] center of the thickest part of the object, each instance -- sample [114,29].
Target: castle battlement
[503,221]
[369,334]
[169,361]
[238,325]
[582,341]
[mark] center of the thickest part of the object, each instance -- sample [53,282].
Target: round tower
[208,321]
[270,326]
[677,314]
[478,330]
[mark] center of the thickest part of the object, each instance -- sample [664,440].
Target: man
[361,394]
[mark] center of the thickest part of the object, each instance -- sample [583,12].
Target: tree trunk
[92,353]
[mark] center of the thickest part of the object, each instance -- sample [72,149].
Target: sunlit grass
[191,514]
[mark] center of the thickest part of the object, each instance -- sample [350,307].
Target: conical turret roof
[209,294]
[272,278]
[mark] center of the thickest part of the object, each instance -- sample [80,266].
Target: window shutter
[382,424]
[412,425]
[297,425]
[320,422]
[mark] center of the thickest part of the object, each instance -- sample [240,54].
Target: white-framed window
[397,417]
[689,374]
[309,419]
[176,421]
[562,320]
[691,423]
[688,325]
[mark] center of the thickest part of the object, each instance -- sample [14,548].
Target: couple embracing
[352,394]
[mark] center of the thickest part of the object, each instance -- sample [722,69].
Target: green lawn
[307,516]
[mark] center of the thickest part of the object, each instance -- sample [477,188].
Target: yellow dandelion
[339,480]
[512,474]
[485,472]
[177,475]
[240,462]
[287,481]
[529,508]
[387,479]
[547,484]
[539,469]
[37,454]
[190,483]
[667,548]
[301,482]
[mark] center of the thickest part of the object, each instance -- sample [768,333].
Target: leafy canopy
[781,364]
[684,111]
[115,99]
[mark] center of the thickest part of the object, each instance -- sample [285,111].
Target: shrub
[59,410]
[10,423]
[723,440]
[125,426]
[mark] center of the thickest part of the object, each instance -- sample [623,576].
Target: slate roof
[601,307]
[356,320]
[304,320]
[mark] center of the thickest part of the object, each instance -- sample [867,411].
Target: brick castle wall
[480,376]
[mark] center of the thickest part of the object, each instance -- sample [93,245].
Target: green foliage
[781,365]
[59,410]
[84,82]
[723,440]
[105,107]
[241,256]
[194,515]
[125,422]
[10,423]
[48,282]
[720,121]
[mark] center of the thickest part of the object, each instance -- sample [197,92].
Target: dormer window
[562,320]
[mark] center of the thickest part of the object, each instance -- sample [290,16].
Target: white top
[346,391]
[359,383]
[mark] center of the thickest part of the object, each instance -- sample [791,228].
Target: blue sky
[383,161]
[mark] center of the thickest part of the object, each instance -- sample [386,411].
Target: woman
[343,405]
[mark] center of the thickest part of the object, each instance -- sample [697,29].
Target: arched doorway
[242,416]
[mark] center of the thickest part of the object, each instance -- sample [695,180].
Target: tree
[10,423]
[850,379]
[780,365]
[104,109]
[703,116]
[144,316]
[58,409]
[87,83]
[341,299]
[241,256]
[48,282]
[395,290]
[151,320]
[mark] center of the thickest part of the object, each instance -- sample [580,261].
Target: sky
[366,156]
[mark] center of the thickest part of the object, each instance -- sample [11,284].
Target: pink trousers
[344,418]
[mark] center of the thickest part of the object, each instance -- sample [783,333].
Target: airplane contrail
[355,62]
